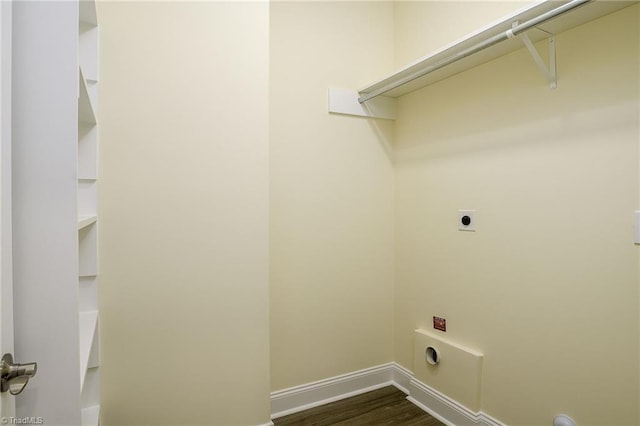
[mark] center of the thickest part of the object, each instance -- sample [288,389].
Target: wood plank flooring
[386,406]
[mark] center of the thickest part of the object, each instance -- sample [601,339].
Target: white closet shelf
[580,15]
[84,221]
[87,12]
[90,416]
[487,43]
[86,110]
[88,328]
[87,275]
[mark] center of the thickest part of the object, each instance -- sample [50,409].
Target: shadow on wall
[493,104]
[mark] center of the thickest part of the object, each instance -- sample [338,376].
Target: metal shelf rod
[510,33]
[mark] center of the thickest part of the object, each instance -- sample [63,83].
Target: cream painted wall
[187,134]
[331,241]
[547,288]
[184,213]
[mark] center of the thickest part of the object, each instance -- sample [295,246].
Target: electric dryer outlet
[467,220]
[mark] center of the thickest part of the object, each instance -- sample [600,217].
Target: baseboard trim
[401,377]
[445,409]
[299,398]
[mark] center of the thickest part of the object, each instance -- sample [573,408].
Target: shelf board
[86,111]
[87,12]
[88,251]
[580,15]
[84,221]
[90,416]
[87,275]
[88,327]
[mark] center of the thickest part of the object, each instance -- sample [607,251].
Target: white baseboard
[299,398]
[401,377]
[440,406]
[445,409]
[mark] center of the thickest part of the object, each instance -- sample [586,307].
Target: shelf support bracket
[345,101]
[550,72]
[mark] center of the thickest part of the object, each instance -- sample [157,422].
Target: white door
[39,237]
[13,376]
[7,405]
[44,223]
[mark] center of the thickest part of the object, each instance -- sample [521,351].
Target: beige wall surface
[249,234]
[331,240]
[184,213]
[547,287]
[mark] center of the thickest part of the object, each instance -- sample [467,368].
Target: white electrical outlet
[467,220]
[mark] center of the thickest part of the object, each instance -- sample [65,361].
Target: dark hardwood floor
[386,406]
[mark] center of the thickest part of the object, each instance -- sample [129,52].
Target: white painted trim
[299,398]
[428,410]
[267,424]
[401,377]
[487,420]
[445,409]
[440,406]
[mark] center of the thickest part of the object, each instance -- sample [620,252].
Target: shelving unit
[487,43]
[87,172]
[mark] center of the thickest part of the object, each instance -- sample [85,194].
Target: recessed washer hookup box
[458,372]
